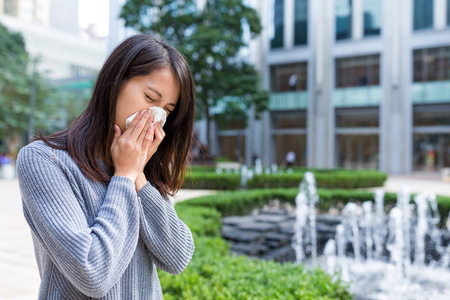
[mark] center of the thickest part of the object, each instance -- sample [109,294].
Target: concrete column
[214,138]
[250,136]
[440,14]
[265,128]
[357,20]
[320,106]
[289,24]
[396,106]
[267,151]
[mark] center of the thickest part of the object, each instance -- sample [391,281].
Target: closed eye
[153,100]
[148,97]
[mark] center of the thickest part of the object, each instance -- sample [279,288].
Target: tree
[211,39]
[16,80]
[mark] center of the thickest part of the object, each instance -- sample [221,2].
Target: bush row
[215,274]
[325,179]
[243,202]
[335,179]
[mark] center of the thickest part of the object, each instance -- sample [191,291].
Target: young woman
[96,194]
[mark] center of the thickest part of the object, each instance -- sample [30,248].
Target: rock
[235,220]
[291,215]
[283,254]
[287,227]
[256,226]
[273,211]
[275,236]
[252,249]
[242,236]
[332,220]
[228,228]
[270,218]
[324,228]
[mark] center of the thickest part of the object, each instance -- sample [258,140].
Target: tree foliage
[15,87]
[211,39]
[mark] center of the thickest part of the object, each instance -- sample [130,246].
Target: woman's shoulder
[39,149]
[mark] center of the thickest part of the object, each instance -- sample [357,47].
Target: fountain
[306,202]
[396,256]
[258,166]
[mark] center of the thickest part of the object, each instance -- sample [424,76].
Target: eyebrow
[160,95]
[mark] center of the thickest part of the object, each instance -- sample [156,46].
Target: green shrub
[202,221]
[325,179]
[205,178]
[211,180]
[243,202]
[214,274]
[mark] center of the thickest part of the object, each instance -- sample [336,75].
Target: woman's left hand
[157,137]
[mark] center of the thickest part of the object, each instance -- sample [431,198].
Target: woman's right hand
[129,150]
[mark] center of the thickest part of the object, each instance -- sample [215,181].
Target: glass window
[431,152]
[432,64]
[289,120]
[291,77]
[372,17]
[301,22]
[430,115]
[233,147]
[357,151]
[348,118]
[343,19]
[278,20]
[423,14]
[11,7]
[358,71]
[448,12]
[287,143]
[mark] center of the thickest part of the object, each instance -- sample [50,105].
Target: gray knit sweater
[96,240]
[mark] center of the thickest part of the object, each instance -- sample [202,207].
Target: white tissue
[159,114]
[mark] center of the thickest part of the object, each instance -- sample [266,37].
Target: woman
[96,194]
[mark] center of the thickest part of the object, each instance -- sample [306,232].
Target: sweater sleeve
[168,239]
[92,257]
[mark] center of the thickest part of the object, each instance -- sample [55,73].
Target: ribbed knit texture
[93,240]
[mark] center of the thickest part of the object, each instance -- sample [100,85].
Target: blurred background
[295,84]
[359,84]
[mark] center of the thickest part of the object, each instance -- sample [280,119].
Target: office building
[358,84]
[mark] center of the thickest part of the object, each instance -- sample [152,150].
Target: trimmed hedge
[201,178]
[215,274]
[333,179]
[243,202]
[211,180]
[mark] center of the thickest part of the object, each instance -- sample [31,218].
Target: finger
[149,136]
[133,123]
[159,133]
[140,126]
[145,130]
[117,133]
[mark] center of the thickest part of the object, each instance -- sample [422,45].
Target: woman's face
[159,88]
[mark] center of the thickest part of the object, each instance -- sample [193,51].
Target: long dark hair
[92,133]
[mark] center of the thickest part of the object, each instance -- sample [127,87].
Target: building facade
[51,33]
[359,84]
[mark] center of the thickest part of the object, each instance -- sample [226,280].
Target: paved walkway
[19,277]
[418,183]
